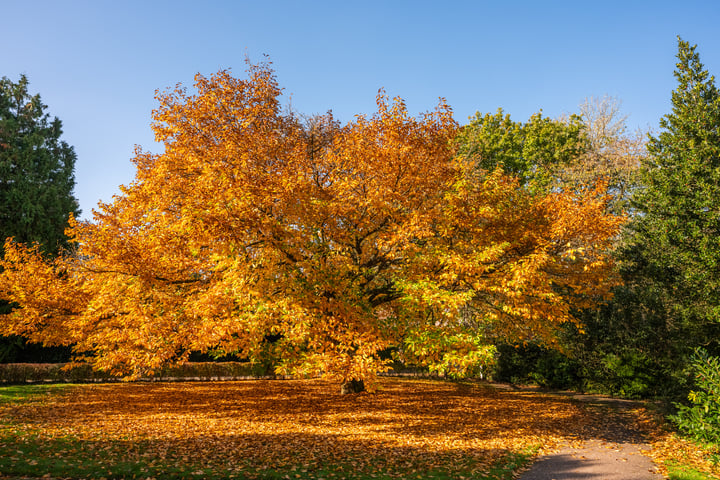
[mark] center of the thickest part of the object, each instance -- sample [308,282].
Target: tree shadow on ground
[406,426]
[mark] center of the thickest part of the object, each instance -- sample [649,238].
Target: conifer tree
[673,253]
[36,170]
[36,188]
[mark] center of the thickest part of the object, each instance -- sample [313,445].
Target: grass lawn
[280,429]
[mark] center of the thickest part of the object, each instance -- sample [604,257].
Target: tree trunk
[352,386]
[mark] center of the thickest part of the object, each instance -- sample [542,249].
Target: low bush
[17,373]
[701,417]
[629,374]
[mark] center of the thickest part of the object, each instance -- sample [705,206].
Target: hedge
[15,373]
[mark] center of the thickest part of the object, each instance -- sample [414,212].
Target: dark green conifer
[37,170]
[37,178]
[675,243]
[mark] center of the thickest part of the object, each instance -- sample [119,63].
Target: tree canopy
[37,170]
[534,151]
[567,153]
[336,241]
[673,252]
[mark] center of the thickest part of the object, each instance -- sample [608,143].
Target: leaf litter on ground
[292,429]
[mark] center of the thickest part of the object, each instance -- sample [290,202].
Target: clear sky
[97,63]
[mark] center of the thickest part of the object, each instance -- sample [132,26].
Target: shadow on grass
[35,456]
[302,429]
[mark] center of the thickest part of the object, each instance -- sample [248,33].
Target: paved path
[614,452]
[595,460]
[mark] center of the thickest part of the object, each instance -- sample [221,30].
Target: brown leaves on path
[249,426]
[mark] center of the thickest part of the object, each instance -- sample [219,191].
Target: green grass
[18,393]
[680,472]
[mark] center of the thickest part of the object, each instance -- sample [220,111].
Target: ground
[617,449]
[305,429]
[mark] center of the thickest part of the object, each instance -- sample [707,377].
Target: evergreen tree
[36,170]
[675,245]
[36,189]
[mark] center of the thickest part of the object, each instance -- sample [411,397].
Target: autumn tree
[340,241]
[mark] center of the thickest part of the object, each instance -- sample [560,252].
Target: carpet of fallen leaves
[668,448]
[243,429]
[249,426]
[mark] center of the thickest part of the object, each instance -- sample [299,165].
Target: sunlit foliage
[317,244]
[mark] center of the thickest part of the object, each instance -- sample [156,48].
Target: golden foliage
[336,241]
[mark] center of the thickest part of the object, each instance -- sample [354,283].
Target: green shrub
[535,364]
[701,418]
[628,374]
[18,373]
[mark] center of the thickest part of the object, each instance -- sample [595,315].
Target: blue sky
[97,63]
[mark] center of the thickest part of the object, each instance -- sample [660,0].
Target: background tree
[569,154]
[36,186]
[611,152]
[339,241]
[610,355]
[533,151]
[673,251]
[36,170]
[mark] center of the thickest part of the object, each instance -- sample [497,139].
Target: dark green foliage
[535,364]
[628,374]
[611,369]
[36,170]
[16,350]
[701,419]
[36,189]
[620,352]
[673,252]
[626,349]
